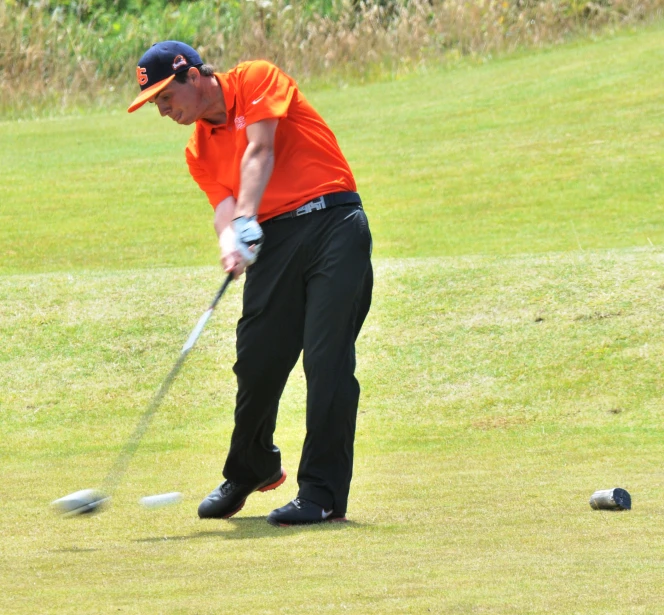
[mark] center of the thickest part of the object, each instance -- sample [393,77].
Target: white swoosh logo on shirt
[255,102]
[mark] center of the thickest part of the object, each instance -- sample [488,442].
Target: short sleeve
[265,92]
[215,191]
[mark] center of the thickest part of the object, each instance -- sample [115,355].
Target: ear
[194,75]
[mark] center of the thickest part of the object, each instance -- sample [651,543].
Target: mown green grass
[553,151]
[511,364]
[497,398]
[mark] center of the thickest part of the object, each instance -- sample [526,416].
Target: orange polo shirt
[307,159]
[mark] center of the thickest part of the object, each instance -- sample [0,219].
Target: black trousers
[309,290]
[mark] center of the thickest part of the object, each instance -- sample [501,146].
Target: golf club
[91,500]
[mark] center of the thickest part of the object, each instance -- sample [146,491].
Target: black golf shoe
[229,497]
[302,512]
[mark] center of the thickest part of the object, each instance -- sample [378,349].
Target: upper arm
[261,134]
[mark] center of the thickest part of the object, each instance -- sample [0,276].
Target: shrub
[59,54]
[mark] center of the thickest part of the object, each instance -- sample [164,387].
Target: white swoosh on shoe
[326,513]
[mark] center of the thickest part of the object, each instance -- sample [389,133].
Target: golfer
[287,212]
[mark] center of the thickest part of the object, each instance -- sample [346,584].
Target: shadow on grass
[254,527]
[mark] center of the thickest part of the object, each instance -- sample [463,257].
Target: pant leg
[269,342]
[338,296]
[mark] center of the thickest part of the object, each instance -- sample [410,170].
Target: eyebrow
[158,94]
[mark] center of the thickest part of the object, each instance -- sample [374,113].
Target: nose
[163,109]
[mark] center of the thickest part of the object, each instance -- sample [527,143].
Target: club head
[82,502]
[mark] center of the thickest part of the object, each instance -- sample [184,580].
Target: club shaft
[121,464]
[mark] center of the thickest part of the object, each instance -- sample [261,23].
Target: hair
[204,69]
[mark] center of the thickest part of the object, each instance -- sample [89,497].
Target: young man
[286,210]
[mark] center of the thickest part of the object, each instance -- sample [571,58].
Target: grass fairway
[511,364]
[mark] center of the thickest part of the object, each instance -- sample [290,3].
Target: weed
[57,58]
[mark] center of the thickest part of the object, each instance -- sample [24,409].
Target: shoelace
[300,504]
[227,487]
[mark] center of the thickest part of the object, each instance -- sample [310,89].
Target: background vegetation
[58,55]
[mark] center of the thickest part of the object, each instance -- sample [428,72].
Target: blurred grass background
[538,152]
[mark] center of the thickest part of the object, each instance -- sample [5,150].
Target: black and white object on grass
[611,499]
[91,500]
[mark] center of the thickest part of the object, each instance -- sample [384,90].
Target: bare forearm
[240,236]
[224,214]
[255,172]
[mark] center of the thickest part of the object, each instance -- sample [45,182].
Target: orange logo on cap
[179,61]
[141,75]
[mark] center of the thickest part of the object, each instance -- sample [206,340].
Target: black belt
[322,202]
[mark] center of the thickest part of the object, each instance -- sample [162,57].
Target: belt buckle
[314,205]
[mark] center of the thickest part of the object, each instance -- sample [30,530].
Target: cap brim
[146,95]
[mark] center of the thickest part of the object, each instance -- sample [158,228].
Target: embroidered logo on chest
[240,122]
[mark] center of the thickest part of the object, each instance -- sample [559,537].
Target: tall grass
[53,58]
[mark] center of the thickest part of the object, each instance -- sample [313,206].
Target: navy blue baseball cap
[158,67]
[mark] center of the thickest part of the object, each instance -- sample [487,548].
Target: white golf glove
[248,233]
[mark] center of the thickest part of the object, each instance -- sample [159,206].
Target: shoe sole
[281,481]
[335,520]
[269,487]
[235,512]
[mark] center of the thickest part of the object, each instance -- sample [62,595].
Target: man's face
[179,101]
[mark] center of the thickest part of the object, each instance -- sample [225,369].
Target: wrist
[243,210]
[244,218]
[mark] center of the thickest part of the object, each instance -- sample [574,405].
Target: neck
[215,110]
